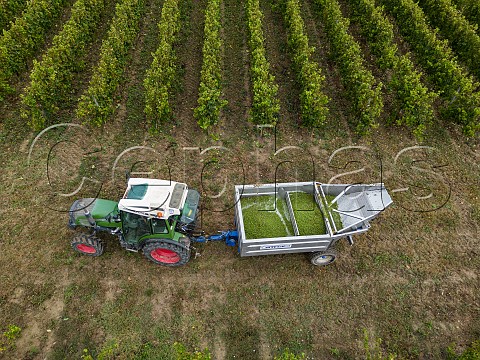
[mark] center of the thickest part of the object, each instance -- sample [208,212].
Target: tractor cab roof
[154,198]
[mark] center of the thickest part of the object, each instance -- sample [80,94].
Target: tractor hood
[102,211]
[103,208]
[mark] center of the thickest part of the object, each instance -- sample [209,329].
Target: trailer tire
[89,245]
[323,258]
[166,253]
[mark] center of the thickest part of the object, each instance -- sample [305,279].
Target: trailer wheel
[89,245]
[323,258]
[167,254]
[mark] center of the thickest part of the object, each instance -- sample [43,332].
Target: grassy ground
[412,280]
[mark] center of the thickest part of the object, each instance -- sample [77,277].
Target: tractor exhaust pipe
[90,218]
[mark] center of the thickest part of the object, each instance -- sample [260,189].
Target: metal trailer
[356,204]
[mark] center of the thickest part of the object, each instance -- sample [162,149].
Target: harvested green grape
[308,215]
[262,219]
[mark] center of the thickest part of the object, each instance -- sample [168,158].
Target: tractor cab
[152,208]
[155,198]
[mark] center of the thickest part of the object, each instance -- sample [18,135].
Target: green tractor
[157,217]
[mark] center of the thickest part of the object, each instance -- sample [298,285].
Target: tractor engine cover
[103,213]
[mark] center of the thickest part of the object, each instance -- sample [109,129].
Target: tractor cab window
[160,226]
[134,226]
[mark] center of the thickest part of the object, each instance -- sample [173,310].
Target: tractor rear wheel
[87,245]
[165,253]
[323,258]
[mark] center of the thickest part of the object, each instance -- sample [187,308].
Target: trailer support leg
[350,239]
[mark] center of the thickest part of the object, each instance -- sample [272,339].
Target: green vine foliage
[265,104]
[470,9]
[458,90]
[160,76]
[462,35]
[51,78]
[9,9]
[361,86]
[210,102]
[24,37]
[378,31]
[97,104]
[313,101]
[413,100]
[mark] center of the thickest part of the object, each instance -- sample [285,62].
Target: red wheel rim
[86,249]
[165,256]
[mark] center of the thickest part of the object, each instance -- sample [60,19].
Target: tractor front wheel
[87,245]
[323,258]
[165,253]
